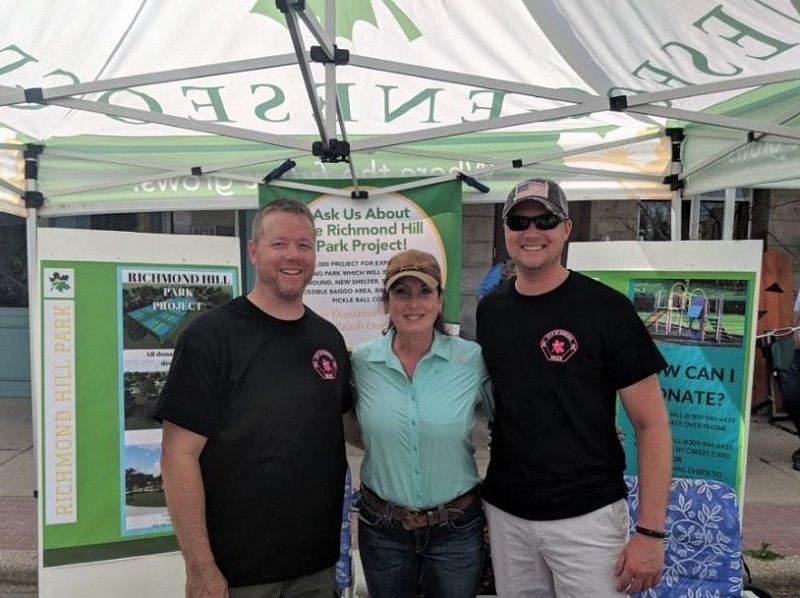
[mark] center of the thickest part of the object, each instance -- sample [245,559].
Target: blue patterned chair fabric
[703,553]
[344,566]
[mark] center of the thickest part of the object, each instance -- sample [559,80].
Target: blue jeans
[448,558]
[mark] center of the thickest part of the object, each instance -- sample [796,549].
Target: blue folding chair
[703,549]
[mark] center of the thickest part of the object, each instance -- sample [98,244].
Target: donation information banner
[699,301]
[108,331]
[355,239]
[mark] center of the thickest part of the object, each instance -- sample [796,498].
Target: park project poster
[155,306]
[702,319]
[109,326]
[356,237]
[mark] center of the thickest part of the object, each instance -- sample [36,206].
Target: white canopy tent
[141,105]
[145,106]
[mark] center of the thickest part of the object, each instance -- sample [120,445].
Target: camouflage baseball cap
[546,192]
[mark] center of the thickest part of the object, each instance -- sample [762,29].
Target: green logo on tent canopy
[347,13]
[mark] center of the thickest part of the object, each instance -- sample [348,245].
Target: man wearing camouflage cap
[559,346]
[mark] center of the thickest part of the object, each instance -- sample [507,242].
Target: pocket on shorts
[620,517]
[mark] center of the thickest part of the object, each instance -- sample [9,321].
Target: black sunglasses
[542,222]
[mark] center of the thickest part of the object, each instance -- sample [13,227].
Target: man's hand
[205,581]
[640,565]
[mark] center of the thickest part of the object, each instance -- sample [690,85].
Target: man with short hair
[559,346]
[253,456]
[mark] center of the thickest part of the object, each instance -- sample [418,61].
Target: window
[655,217]
[13,262]
[199,222]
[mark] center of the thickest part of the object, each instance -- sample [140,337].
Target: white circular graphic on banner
[355,239]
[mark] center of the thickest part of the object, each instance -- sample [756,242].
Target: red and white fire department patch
[559,345]
[325,364]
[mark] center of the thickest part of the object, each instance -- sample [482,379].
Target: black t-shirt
[556,362]
[268,395]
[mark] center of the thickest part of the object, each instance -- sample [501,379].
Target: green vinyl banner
[701,315]
[108,331]
[356,237]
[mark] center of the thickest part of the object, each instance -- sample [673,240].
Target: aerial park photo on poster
[155,305]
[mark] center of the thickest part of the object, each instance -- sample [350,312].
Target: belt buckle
[406,522]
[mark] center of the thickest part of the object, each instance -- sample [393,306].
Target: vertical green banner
[699,301]
[356,237]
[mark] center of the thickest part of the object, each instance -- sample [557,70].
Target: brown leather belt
[411,518]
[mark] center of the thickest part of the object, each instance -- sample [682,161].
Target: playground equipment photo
[686,315]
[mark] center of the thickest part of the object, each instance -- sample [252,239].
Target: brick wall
[476,259]
[783,229]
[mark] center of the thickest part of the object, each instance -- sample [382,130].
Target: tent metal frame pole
[184,123]
[694,217]
[476,126]
[305,71]
[207,168]
[9,187]
[326,39]
[677,138]
[654,97]
[414,70]
[599,147]
[331,102]
[163,173]
[35,328]
[313,188]
[333,109]
[544,158]
[325,125]
[34,304]
[728,122]
[713,159]
[676,216]
[785,118]
[11,95]
[594,172]
[728,214]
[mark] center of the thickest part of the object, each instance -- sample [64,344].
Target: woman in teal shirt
[417,390]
